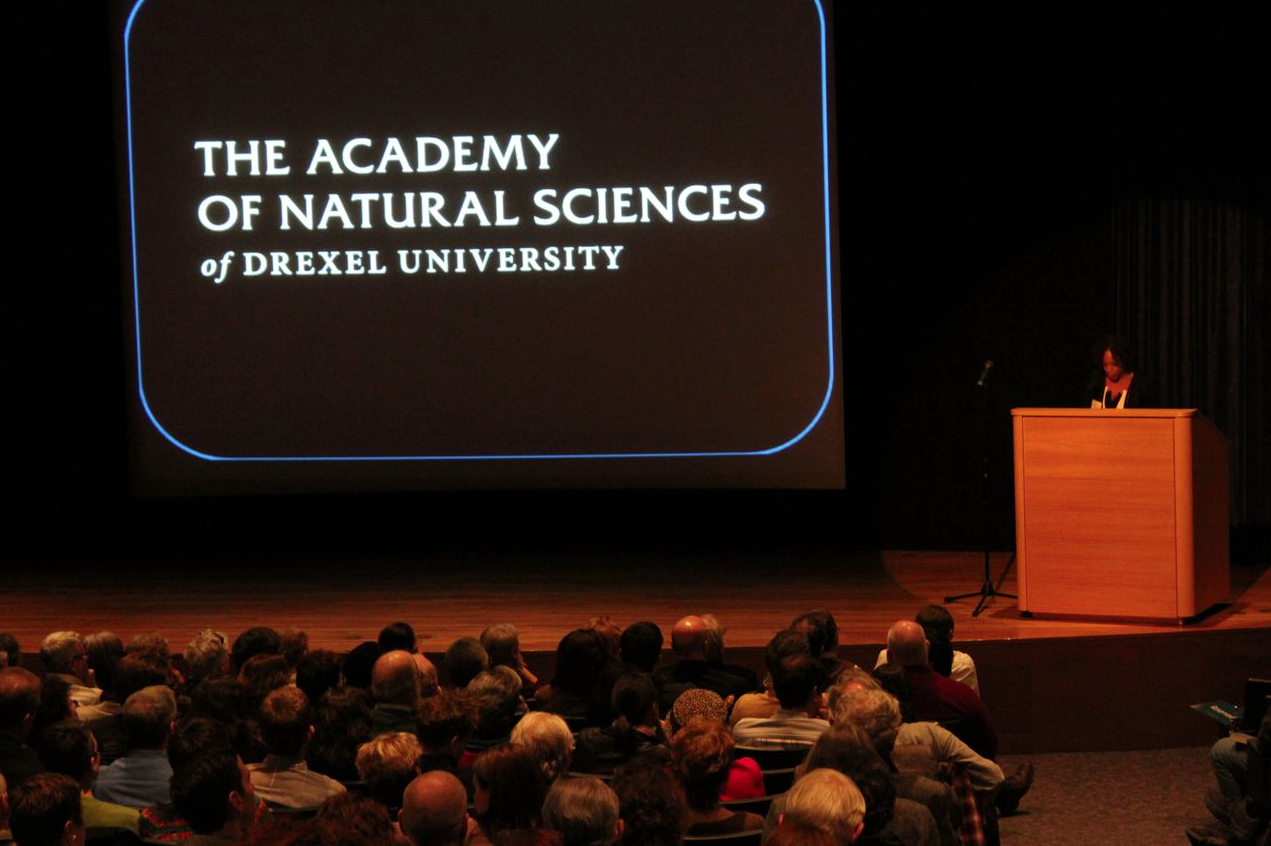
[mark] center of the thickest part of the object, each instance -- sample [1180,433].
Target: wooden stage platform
[1052,685]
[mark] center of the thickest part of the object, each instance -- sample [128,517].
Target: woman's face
[1111,367]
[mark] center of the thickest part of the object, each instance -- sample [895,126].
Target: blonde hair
[549,738]
[387,757]
[828,801]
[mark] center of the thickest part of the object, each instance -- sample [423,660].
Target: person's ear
[69,835]
[860,826]
[618,829]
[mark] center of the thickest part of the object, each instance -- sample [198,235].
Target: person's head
[581,658]
[829,801]
[795,833]
[497,694]
[63,652]
[465,658]
[641,645]
[358,663]
[135,671]
[651,804]
[697,703]
[341,721]
[387,763]
[508,789]
[70,749]
[104,649]
[147,717]
[634,699]
[194,736]
[688,637]
[502,643]
[55,703]
[782,645]
[214,792]
[822,631]
[609,631]
[446,721]
[263,673]
[936,622]
[398,636]
[549,738]
[797,680]
[584,811]
[836,748]
[293,643]
[428,680]
[206,654]
[45,810]
[907,644]
[713,640]
[257,640]
[318,672]
[1115,356]
[873,778]
[701,754]
[19,700]
[153,644]
[435,810]
[10,650]
[395,679]
[874,710]
[286,721]
[347,818]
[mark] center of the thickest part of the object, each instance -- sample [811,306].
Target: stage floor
[341,603]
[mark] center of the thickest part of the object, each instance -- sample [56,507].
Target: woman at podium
[1116,384]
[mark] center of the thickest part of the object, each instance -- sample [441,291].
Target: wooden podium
[1120,513]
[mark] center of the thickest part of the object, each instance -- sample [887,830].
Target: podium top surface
[1105,412]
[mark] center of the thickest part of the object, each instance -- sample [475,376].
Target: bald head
[435,810]
[907,644]
[427,674]
[395,679]
[689,636]
[19,699]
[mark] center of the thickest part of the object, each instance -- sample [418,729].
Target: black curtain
[1192,279]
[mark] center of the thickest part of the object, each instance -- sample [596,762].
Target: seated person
[69,748]
[45,810]
[635,733]
[701,755]
[937,625]
[283,779]
[550,739]
[386,764]
[797,684]
[140,778]
[584,812]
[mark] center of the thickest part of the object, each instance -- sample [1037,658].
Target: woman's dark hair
[641,645]
[358,663]
[1120,349]
[581,658]
[318,672]
[227,700]
[937,624]
[894,680]
[516,786]
[341,723]
[195,736]
[702,753]
[55,703]
[632,698]
[651,804]
[41,806]
[201,788]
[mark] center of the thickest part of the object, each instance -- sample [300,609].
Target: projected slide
[424,244]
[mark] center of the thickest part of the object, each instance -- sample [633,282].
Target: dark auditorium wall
[981,148]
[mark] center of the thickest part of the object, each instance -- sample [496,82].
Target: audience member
[386,764]
[257,640]
[318,672]
[19,701]
[502,643]
[70,749]
[636,732]
[429,682]
[140,778]
[509,790]
[45,810]
[398,636]
[133,672]
[342,723]
[206,655]
[395,686]
[651,804]
[62,654]
[829,801]
[227,699]
[262,674]
[215,796]
[584,811]
[640,646]
[796,681]
[699,643]
[465,659]
[823,641]
[56,704]
[446,721]
[293,643]
[104,650]
[435,811]
[191,738]
[582,661]
[937,625]
[549,738]
[349,820]
[497,694]
[283,779]
[745,777]
[782,645]
[701,755]
[359,662]
[10,651]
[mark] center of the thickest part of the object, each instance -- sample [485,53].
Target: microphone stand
[987,589]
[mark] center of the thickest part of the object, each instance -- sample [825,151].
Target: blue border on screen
[829,309]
